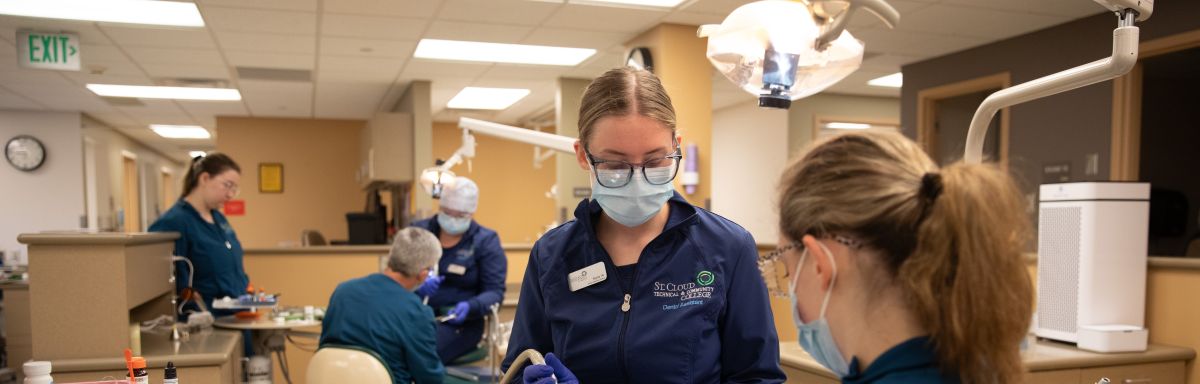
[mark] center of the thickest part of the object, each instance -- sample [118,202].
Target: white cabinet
[387,148]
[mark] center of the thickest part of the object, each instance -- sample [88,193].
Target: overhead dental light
[437,178]
[783,50]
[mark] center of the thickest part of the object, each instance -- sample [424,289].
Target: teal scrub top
[377,313]
[911,362]
[213,249]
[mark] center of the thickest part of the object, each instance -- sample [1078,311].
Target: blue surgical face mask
[636,202]
[815,337]
[453,225]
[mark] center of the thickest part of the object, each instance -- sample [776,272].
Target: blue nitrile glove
[430,286]
[540,374]
[460,313]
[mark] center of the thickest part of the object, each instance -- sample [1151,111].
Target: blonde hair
[620,92]
[950,239]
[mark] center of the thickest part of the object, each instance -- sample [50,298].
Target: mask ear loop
[832,280]
[796,276]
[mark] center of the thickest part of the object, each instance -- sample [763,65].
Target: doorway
[944,116]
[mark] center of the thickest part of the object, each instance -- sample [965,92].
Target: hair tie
[931,186]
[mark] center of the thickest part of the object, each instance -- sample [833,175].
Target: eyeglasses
[617,173]
[774,269]
[456,214]
[231,187]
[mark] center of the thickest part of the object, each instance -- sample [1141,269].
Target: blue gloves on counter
[430,286]
[459,311]
[540,374]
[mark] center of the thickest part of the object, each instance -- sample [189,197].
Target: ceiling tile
[405,8]
[84,78]
[14,101]
[599,18]
[146,55]
[348,100]
[115,68]
[528,13]
[867,19]
[287,5]
[372,27]
[88,33]
[265,42]
[200,108]
[422,68]
[92,52]
[271,60]
[252,20]
[274,98]
[723,7]
[889,62]
[693,18]
[153,106]
[919,44]
[341,46]
[160,37]
[492,33]
[574,38]
[33,77]
[1071,9]
[187,71]
[524,72]
[357,64]
[113,118]
[975,22]
[376,77]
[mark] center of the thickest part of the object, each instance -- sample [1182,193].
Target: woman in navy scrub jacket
[642,286]
[206,238]
[470,273]
[901,272]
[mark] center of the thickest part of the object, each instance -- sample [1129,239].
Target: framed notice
[270,177]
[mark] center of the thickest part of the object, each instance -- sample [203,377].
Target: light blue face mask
[815,336]
[453,225]
[634,203]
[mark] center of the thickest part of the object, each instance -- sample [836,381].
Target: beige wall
[320,161]
[110,149]
[512,193]
[805,111]
[750,152]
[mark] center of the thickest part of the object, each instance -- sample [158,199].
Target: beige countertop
[208,348]
[1042,356]
[95,238]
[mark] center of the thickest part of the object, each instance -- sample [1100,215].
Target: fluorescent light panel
[894,80]
[642,3]
[486,98]
[180,131]
[171,13]
[156,92]
[501,53]
[193,154]
[840,125]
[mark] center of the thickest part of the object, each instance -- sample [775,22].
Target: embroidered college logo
[705,278]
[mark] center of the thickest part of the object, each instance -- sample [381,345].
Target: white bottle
[37,372]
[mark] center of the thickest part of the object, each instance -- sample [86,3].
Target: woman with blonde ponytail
[901,272]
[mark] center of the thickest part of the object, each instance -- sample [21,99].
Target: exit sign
[48,50]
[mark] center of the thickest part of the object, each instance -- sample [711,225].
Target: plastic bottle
[37,372]
[140,375]
[169,376]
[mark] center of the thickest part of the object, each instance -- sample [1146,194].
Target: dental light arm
[880,8]
[433,179]
[1124,56]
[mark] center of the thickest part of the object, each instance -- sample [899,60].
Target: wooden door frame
[927,109]
[131,203]
[1127,105]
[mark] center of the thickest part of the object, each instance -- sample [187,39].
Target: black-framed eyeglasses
[618,173]
[774,269]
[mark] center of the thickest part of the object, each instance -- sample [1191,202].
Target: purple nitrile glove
[430,286]
[540,374]
[460,313]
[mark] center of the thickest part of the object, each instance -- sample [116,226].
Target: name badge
[456,269]
[587,277]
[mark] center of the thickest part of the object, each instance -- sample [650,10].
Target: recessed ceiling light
[501,53]
[894,80]
[156,92]
[194,154]
[172,13]
[486,98]
[840,125]
[180,131]
[642,3]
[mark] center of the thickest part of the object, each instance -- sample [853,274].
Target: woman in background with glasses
[206,238]
[642,286]
[901,272]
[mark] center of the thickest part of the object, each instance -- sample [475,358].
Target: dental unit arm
[1124,56]
[514,371]
[434,179]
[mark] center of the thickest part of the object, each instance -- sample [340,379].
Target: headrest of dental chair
[335,364]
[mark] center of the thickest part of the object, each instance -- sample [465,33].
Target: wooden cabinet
[387,148]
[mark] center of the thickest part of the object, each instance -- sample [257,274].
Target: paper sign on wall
[235,208]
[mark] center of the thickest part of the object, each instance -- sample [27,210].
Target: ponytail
[213,164]
[966,280]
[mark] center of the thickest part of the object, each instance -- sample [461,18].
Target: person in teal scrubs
[901,271]
[206,238]
[381,313]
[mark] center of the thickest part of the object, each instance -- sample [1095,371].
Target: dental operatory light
[852,126]
[166,13]
[434,179]
[782,50]
[895,80]
[501,53]
[180,131]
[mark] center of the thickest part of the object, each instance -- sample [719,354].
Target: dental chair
[337,364]
[466,370]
